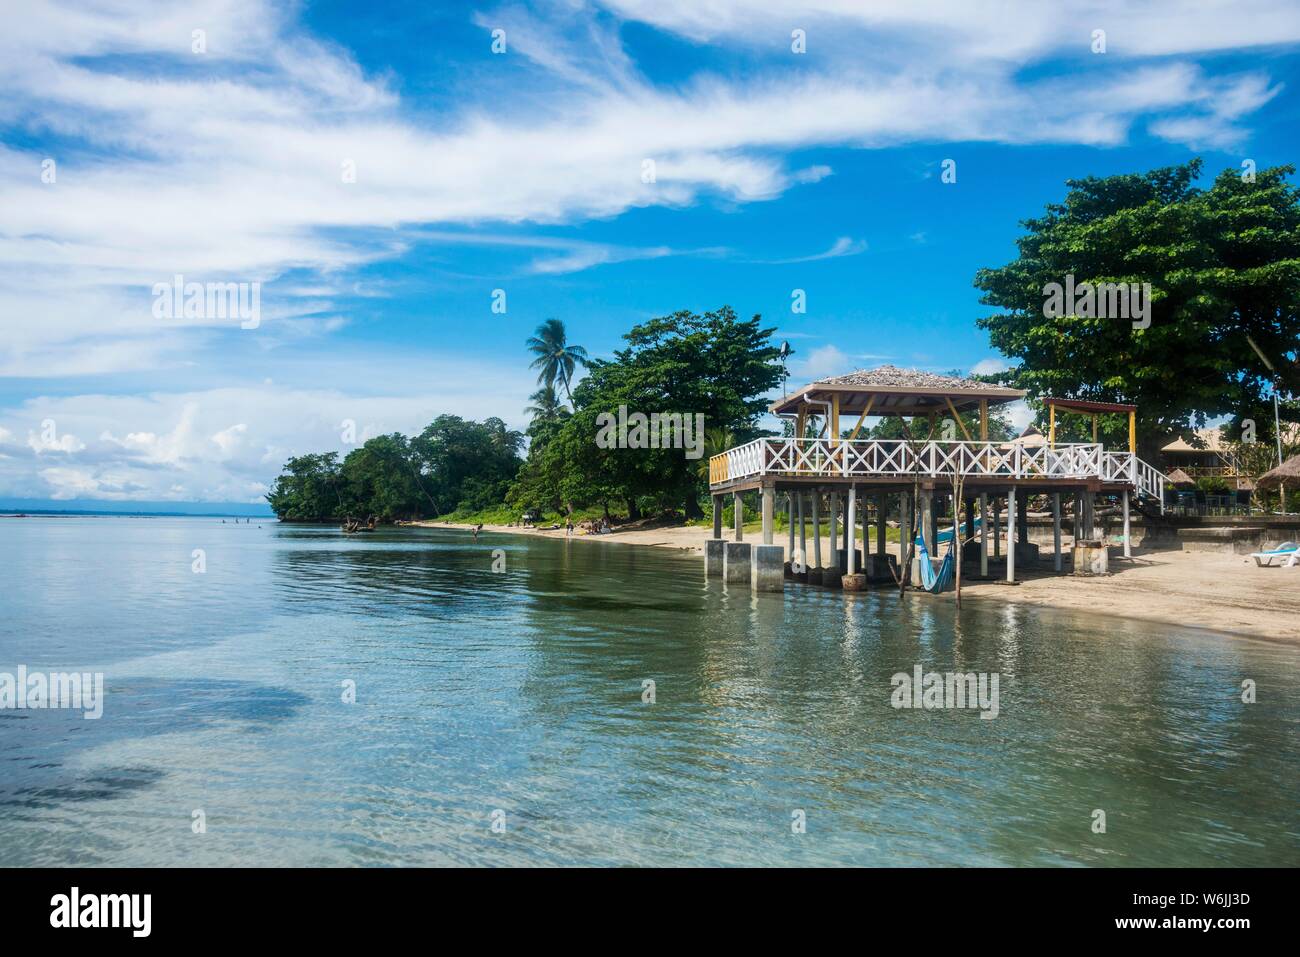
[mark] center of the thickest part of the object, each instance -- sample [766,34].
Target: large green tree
[713,364]
[1224,269]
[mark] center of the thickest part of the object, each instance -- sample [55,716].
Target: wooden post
[717,516]
[769,504]
[997,527]
[789,520]
[1011,540]
[851,526]
[833,501]
[984,535]
[1056,530]
[739,508]
[1132,432]
[1094,427]
[803,534]
[817,531]
[1051,425]
[1128,552]
[882,512]
[984,420]
[905,532]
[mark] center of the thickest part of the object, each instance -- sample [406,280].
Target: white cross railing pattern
[842,458]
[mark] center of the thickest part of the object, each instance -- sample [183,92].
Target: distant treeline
[714,365]
[452,463]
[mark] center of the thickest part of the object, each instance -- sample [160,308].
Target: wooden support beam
[1094,427]
[871,400]
[1132,432]
[984,420]
[1051,425]
[960,424]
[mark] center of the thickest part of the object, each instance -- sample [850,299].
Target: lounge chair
[1288,550]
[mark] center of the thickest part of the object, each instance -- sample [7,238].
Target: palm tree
[554,356]
[716,441]
[545,406]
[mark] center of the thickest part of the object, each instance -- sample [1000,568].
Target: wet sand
[1218,591]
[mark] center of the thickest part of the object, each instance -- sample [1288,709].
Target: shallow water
[520,691]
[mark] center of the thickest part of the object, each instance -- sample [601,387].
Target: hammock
[932,581]
[945,535]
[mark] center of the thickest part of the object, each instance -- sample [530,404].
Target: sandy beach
[1218,591]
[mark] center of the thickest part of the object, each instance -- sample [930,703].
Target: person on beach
[568,527]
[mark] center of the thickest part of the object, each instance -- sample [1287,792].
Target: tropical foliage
[1224,269]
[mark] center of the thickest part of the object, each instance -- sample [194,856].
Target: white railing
[841,458]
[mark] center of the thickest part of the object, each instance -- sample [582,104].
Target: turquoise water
[520,691]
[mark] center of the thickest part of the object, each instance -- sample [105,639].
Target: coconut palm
[716,441]
[546,405]
[554,356]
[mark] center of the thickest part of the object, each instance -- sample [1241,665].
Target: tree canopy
[1224,268]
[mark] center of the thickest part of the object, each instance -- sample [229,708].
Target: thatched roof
[890,390]
[1031,438]
[1288,471]
[1179,477]
[894,377]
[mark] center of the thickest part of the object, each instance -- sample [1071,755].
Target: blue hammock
[945,535]
[931,580]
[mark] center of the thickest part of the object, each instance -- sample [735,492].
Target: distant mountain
[94,506]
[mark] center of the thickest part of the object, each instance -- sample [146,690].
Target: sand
[1218,591]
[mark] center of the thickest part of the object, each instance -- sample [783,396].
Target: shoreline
[1220,592]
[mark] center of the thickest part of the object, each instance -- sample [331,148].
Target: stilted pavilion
[826,465]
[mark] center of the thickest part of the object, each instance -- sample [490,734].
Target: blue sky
[522,171]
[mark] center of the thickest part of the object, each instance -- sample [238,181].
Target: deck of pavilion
[913,476]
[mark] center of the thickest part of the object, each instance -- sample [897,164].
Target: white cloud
[227,166]
[989,366]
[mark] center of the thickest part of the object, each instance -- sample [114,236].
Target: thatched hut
[1180,479]
[1288,473]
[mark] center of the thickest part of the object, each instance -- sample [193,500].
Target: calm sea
[514,697]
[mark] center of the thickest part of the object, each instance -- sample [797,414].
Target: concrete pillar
[1011,534]
[854,580]
[852,547]
[768,574]
[738,509]
[714,552]
[1089,519]
[846,529]
[1056,530]
[1078,516]
[1128,551]
[769,506]
[736,562]
[882,512]
[984,535]
[717,516]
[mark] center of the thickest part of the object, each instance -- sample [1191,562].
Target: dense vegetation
[713,364]
[452,464]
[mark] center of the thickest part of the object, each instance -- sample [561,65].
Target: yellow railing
[718,469]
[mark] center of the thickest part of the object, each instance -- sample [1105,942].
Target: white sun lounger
[1288,550]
